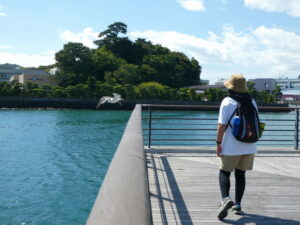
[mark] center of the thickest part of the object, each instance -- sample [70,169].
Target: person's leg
[224,181]
[226,203]
[229,163]
[240,183]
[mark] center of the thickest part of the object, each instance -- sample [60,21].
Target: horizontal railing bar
[187,124]
[179,129]
[179,134]
[215,119]
[162,139]
[162,106]
[198,129]
[207,144]
[178,118]
[265,135]
[158,139]
[215,124]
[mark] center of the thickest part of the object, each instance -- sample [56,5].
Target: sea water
[52,163]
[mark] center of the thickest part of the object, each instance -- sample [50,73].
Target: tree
[277,92]
[266,97]
[74,63]
[91,85]
[252,90]
[120,47]
[113,30]
[125,74]
[5,89]
[215,94]
[173,69]
[38,92]
[103,89]
[183,94]
[58,92]
[17,89]
[150,90]
[105,61]
[129,91]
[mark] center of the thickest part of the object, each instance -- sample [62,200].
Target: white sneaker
[225,205]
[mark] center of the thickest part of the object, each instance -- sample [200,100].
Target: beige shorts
[242,162]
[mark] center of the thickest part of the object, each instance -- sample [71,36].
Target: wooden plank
[189,190]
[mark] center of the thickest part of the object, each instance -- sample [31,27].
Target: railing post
[296,130]
[149,126]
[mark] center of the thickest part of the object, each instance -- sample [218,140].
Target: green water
[53,162]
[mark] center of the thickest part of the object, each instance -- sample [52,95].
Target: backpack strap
[228,124]
[234,112]
[256,113]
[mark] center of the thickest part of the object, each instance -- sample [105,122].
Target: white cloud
[192,5]
[263,52]
[4,46]
[291,7]
[2,13]
[86,37]
[27,60]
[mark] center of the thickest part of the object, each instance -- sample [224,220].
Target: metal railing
[186,128]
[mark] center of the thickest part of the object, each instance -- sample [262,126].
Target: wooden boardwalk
[184,188]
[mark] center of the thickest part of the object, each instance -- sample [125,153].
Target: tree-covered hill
[118,60]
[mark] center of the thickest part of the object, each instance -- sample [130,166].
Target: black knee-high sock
[240,183]
[224,181]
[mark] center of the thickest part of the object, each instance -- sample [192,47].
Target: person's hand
[219,150]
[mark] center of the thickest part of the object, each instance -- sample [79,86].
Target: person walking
[235,155]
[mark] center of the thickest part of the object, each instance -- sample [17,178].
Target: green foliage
[17,89]
[75,63]
[134,69]
[173,69]
[184,93]
[78,91]
[5,89]
[170,93]
[130,91]
[251,89]
[29,86]
[103,89]
[114,29]
[38,92]
[58,92]
[104,62]
[118,60]
[277,93]
[47,87]
[120,89]
[126,74]
[215,94]
[150,90]
[91,86]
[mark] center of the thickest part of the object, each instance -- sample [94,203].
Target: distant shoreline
[65,103]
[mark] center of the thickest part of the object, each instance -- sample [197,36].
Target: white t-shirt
[230,145]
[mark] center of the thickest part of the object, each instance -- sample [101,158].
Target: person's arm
[220,134]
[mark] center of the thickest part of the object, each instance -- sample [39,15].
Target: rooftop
[17,72]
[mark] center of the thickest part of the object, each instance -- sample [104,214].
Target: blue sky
[259,38]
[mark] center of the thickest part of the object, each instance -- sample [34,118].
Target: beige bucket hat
[237,83]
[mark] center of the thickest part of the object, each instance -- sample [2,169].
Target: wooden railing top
[124,195]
